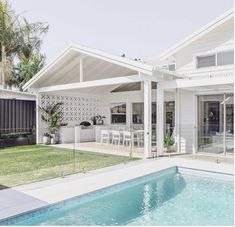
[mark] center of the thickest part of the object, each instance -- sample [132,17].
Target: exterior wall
[82,107]
[128,98]
[217,40]
[76,108]
[187,121]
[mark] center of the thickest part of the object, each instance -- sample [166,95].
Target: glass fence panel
[229,136]
[57,155]
[210,123]
[210,138]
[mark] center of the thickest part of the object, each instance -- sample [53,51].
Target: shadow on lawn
[3,187]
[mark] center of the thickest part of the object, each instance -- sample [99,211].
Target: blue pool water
[171,197]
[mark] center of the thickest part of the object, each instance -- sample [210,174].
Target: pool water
[166,198]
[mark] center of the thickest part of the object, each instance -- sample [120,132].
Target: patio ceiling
[67,68]
[80,67]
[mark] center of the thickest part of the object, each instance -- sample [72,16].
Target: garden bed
[17,139]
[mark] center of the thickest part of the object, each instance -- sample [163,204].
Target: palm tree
[9,41]
[27,68]
[30,60]
[20,44]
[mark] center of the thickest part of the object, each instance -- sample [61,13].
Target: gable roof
[127,65]
[196,35]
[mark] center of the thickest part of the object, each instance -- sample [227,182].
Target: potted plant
[168,143]
[98,120]
[52,115]
[46,139]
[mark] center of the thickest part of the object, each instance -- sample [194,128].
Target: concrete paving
[104,149]
[13,202]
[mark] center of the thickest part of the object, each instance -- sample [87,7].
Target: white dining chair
[140,138]
[116,137]
[127,138]
[105,136]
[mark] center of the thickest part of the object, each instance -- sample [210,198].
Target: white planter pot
[46,140]
[53,140]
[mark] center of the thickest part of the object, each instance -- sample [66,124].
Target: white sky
[138,28]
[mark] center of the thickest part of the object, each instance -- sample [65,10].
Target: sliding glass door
[229,126]
[215,123]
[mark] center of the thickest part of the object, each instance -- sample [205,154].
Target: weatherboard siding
[216,40]
[187,121]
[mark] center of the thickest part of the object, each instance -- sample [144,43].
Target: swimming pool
[175,196]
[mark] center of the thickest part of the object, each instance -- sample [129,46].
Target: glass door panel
[229,123]
[210,123]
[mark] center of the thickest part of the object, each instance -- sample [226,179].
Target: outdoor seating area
[122,137]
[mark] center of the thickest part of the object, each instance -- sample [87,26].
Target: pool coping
[42,191]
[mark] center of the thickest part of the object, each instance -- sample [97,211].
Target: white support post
[37,118]
[147,119]
[224,134]
[81,69]
[160,121]
[177,117]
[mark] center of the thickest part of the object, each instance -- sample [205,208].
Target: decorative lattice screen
[75,108]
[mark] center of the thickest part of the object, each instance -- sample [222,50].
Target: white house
[186,92]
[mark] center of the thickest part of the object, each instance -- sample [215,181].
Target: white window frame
[220,52]
[120,114]
[210,53]
[166,66]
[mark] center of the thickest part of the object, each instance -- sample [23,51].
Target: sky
[138,28]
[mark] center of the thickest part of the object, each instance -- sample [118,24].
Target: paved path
[104,149]
[27,197]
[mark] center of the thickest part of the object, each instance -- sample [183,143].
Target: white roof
[228,15]
[12,94]
[96,65]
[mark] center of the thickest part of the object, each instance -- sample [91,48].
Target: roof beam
[190,83]
[97,83]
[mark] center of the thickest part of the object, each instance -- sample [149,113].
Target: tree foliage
[20,46]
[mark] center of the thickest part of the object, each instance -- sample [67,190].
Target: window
[138,113]
[206,61]
[225,58]
[218,59]
[118,113]
[171,67]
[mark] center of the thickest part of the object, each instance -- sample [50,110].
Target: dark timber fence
[17,119]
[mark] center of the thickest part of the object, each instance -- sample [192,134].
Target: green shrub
[14,135]
[168,140]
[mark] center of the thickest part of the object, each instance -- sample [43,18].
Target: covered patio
[92,83]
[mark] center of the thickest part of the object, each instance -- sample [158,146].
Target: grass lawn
[26,164]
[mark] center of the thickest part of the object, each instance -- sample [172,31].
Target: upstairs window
[225,58]
[206,61]
[171,67]
[217,59]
